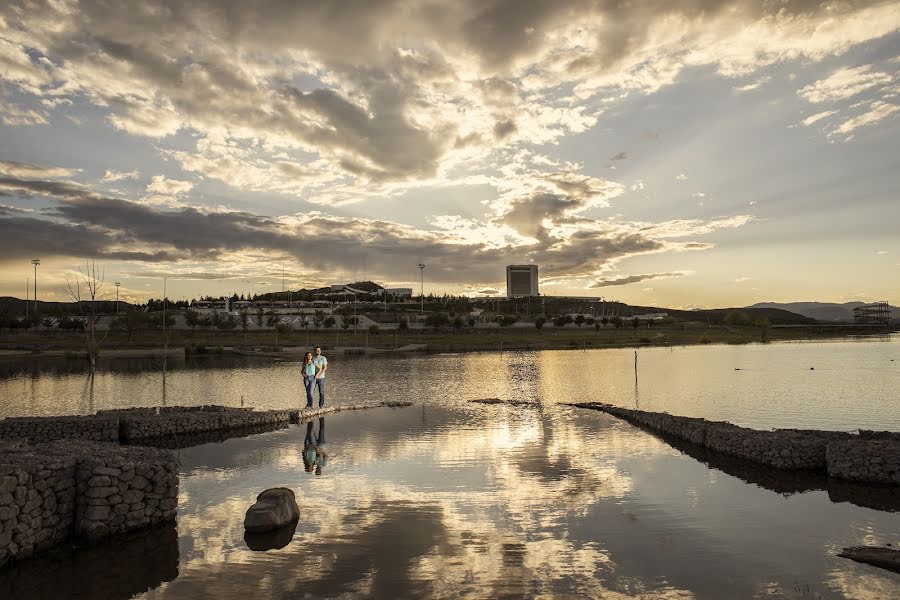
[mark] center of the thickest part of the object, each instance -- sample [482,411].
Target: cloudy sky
[679,153]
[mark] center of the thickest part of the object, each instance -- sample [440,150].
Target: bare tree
[90,280]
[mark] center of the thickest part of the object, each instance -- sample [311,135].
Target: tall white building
[521,280]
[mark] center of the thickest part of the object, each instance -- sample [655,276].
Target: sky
[694,153]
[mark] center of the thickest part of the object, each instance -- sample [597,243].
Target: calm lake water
[852,384]
[451,499]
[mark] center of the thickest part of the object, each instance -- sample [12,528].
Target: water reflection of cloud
[518,502]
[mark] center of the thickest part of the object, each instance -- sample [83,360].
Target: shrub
[539,322]
[374,329]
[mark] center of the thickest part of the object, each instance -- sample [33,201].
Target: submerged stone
[274,508]
[271,540]
[885,558]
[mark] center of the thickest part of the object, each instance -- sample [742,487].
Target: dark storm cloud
[22,238]
[625,280]
[103,227]
[504,129]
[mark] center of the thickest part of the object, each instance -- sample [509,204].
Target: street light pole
[422,290]
[35,262]
[117,298]
[27,299]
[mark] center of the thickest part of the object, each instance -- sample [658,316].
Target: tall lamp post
[35,262]
[117,298]
[422,279]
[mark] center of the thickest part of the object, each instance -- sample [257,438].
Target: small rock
[274,508]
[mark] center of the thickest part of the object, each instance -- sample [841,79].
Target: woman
[309,378]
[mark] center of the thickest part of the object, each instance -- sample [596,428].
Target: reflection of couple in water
[314,452]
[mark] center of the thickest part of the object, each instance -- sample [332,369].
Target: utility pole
[35,262]
[117,298]
[27,298]
[422,291]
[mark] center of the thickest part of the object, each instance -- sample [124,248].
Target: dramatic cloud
[84,223]
[386,90]
[310,116]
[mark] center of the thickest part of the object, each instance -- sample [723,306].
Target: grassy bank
[17,342]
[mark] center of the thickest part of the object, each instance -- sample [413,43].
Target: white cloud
[844,83]
[160,184]
[877,111]
[817,117]
[120,175]
[681,177]
[699,195]
[754,85]
[16,115]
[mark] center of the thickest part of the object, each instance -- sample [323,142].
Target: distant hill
[16,307]
[776,316]
[821,311]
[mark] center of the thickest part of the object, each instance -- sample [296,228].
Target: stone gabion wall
[869,460]
[37,500]
[165,424]
[38,430]
[125,488]
[52,492]
[871,457]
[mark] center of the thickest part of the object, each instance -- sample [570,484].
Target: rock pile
[873,457]
[37,430]
[52,492]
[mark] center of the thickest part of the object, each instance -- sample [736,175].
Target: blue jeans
[320,383]
[308,383]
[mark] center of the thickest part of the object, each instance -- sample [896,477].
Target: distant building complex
[521,281]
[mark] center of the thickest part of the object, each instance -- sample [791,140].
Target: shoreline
[431,343]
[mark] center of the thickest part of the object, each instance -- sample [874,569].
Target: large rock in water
[274,508]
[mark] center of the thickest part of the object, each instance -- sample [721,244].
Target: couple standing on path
[314,368]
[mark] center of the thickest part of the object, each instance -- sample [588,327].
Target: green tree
[374,329]
[259,316]
[738,319]
[228,322]
[635,322]
[437,320]
[329,322]
[539,322]
[192,318]
[458,323]
[132,320]
[579,320]
[318,318]
[763,324]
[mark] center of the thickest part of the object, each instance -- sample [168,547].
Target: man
[322,364]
